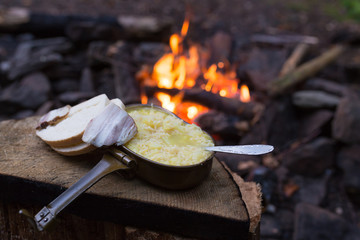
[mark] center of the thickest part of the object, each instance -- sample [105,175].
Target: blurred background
[277,72]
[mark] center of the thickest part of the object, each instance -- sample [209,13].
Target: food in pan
[164,138]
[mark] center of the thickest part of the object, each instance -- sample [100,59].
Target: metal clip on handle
[116,160]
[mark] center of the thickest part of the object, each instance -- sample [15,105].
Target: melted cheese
[167,139]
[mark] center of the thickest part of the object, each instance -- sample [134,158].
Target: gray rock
[23,114]
[86,81]
[66,85]
[326,86]
[315,99]
[314,122]
[270,227]
[348,160]
[31,92]
[311,190]
[311,159]
[73,98]
[314,223]
[263,66]
[346,123]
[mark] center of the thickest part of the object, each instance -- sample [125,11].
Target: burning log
[248,110]
[304,71]
[83,28]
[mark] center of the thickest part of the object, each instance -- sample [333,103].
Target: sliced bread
[112,126]
[69,131]
[79,149]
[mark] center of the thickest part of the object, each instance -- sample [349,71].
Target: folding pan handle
[116,160]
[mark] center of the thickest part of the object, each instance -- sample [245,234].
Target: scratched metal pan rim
[129,151]
[164,175]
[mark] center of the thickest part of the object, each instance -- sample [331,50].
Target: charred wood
[247,110]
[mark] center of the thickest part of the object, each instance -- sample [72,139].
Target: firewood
[304,71]
[295,57]
[248,110]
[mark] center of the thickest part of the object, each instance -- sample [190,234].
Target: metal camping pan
[168,176]
[122,158]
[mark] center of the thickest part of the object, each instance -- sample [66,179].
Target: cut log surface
[32,173]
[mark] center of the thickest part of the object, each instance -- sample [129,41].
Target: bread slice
[69,131]
[112,126]
[79,149]
[118,102]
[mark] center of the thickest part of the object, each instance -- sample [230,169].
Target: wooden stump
[33,174]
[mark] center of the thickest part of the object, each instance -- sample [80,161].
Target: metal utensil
[256,149]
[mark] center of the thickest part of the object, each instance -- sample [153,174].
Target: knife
[256,149]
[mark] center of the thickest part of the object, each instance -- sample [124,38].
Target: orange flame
[244,93]
[185,27]
[175,43]
[165,100]
[180,69]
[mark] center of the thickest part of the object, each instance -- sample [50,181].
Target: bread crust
[79,149]
[97,103]
[72,144]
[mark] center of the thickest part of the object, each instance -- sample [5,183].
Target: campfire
[304,99]
[187,68]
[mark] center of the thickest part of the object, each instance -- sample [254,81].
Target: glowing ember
[180,69]
[188,111]
[192,112]
[244,93]
[166,102]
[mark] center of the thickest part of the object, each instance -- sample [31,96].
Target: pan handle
[109,163]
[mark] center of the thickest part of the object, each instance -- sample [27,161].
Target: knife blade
[256,149]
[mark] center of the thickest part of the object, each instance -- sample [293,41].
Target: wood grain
[31,173]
